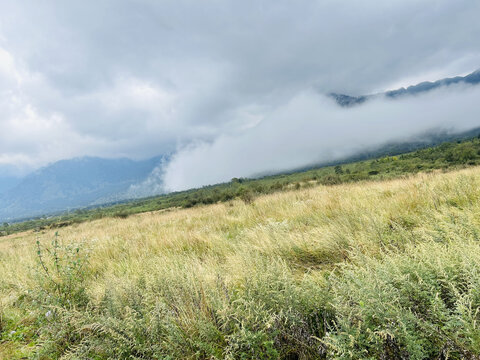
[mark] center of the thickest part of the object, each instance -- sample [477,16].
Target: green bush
[121,215]
[60,295]
[62,270]
[420,305]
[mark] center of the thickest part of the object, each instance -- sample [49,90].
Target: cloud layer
[141,78]
[311,129]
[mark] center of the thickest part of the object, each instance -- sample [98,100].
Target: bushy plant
[421,305]
[61,273]
[60,296]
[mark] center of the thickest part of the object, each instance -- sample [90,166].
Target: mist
[311,128]
[144,78]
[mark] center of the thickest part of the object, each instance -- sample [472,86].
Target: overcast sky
[207,79]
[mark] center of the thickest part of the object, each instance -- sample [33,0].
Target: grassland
[369,270]
[450,155]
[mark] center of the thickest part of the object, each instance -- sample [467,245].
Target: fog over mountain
[347,100]
[230,88]
[313,129]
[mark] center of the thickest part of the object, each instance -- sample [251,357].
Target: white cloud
[141,78]
[311,129]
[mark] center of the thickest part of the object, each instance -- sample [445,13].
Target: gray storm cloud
[140,78]
[311,129]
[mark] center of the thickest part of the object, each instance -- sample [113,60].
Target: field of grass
[450,155]
[370,270]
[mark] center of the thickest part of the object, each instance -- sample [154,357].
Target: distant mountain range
[90,181]
[7,183]
[347,100]
[70,184]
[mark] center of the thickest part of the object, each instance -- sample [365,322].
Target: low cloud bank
[311,129]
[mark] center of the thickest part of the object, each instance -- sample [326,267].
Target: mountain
[73,183]
[347,100]
[92,181]
[9,177]
[7,183]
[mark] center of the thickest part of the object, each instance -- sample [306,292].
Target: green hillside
[451,155]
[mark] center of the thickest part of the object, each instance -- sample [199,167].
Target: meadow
[376,269]
[386,164]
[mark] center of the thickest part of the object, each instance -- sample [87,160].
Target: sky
[229,88]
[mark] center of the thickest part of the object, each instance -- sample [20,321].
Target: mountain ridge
[73,183]
[92,181]
[345,100]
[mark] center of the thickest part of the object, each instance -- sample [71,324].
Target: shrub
[61,274]
[121,215]
[59,296]
[419,305]
[330,180]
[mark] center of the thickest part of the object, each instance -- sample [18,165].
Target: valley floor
[387,270]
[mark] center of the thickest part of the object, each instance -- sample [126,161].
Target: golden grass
[310,230]
[323,223]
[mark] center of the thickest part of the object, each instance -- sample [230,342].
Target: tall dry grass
[368,270]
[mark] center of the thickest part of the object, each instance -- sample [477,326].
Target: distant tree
[338,170]
[246,195]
